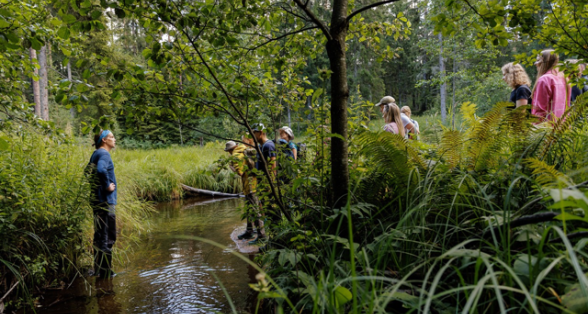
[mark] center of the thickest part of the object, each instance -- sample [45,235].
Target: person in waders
[240,165]
[268,149]
[103,201]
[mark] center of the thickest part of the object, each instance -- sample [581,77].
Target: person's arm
[410,127]
[295,153]
[522,95]
[102,171]
[522,102]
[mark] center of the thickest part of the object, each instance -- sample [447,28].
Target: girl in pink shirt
[392,118]
[551,94]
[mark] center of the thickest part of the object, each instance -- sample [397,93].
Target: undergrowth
[491,217]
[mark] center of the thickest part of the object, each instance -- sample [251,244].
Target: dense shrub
[489,218]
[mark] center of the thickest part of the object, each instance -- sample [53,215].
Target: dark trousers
[253,214]
[104,238]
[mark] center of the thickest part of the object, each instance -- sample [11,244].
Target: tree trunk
[339,98]
[289,117]
[442,76]
[43,82]
[72,111]
[453,92]
[36,88]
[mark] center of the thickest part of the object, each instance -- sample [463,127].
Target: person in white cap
[408,125]
[287,135]
[249,181]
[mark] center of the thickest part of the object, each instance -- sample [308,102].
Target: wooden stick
[7,293]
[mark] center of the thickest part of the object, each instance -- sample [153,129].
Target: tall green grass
[159,173]
[45,217]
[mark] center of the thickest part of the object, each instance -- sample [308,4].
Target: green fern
[563,127]
[546,174]
[451,147]
[486,138]
[392,153]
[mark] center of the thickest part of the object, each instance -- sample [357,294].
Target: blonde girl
[515,76]
[392,118]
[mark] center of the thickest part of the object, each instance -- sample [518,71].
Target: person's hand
[111,187]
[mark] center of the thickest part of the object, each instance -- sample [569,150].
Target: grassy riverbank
[158,174]
[45,218]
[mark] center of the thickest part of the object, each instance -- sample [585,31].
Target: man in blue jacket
[103,201]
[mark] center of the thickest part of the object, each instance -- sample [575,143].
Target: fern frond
[391,152]
[546,174]
[484,136]
[573,115]
[468,111]
[451,147]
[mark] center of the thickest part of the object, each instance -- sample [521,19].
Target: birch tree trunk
[36,88]
[43,82]
[72,111]
[442,76]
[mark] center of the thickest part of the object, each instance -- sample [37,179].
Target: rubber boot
[246,235]
[106,267]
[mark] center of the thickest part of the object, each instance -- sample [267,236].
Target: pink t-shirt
[391,127]
[549,98]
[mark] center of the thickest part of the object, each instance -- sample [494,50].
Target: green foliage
[45,217]
[441,236]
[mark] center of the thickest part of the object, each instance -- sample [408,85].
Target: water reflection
[165,274]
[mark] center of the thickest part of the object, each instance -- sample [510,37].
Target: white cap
[288,131]
[230,145]
[386,100]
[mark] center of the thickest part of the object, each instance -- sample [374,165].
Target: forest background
[178,74]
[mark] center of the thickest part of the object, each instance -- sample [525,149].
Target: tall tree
[72,110]
[35,83]
[443,90]
[43,83]
[336,34]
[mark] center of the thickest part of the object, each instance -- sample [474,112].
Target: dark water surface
[166,274]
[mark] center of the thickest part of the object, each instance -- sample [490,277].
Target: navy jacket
[102,175]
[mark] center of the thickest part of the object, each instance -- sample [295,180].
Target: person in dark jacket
[516,77]
[103,202]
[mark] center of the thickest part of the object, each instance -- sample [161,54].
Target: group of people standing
[243,165]
[103,195]
[398,120]
[552,93]
[549,97]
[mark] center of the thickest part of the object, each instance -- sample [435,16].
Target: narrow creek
[166,274]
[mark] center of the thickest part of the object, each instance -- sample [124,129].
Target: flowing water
[167,272]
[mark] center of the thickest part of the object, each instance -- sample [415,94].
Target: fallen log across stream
[208,192]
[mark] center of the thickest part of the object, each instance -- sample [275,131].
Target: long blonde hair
[548,61]
[515,75]
[392,114]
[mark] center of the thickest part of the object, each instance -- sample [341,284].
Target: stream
[165,273]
